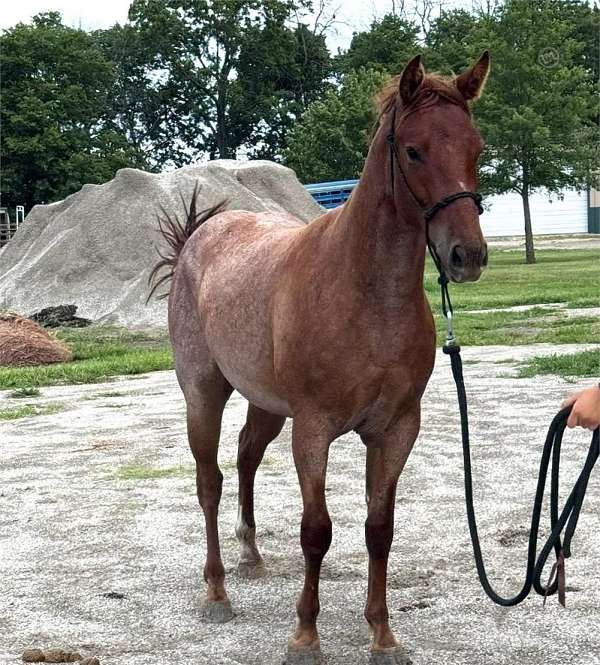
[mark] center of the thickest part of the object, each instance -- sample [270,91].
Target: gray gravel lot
[74,528]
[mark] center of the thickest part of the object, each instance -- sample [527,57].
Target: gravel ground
[574,241]
[94,562]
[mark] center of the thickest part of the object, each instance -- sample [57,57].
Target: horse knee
[379,533]
[209,486]
[315,535]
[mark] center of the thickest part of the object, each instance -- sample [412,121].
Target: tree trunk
[529,249]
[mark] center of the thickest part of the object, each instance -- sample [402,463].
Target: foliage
[331,140]
[55,135]
[230,74]
[584,363]
[388,45]
[536,110]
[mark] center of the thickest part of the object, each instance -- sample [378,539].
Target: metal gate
[9,226]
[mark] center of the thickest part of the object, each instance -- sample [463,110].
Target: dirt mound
[24,343]
[97,247]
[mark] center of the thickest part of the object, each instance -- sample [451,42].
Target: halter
[428,215]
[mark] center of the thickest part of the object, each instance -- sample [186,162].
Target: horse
[327,324]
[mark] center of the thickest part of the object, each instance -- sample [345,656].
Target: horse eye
[412,153]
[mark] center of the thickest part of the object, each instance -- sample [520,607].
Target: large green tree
[232,73]
[55,134]
[537,109]
[388,44]
[332,139]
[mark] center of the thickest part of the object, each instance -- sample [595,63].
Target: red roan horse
[328,324]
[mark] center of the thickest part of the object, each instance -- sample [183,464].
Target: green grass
[518,328]
[25,392]
[99,353]
[136,472]
[28,410]
[569,276]
[584,363]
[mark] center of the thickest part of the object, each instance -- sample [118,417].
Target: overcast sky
[356,15]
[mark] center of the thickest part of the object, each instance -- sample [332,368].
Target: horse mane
[433,88]
[176,233]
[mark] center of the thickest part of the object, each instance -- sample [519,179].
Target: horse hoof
[393,656]
[251,570]
[303,656]
[217,611]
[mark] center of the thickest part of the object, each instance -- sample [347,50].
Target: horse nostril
[484,261]
[458,256]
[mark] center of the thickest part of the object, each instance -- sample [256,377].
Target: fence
[9,227]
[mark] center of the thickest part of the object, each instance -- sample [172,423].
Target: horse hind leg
[260,429]
[205,401]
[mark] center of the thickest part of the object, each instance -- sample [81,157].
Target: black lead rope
[567,520]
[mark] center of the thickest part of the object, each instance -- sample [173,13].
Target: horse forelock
[434,88]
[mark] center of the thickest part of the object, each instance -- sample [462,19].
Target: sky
[90,15]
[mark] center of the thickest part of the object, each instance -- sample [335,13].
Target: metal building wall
[504,214]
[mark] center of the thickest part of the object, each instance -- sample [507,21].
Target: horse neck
[380,233]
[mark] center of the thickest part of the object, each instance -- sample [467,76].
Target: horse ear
[411,78]
[471,82]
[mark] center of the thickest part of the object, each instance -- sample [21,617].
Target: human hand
[586,408]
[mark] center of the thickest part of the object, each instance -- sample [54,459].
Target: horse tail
[176,233]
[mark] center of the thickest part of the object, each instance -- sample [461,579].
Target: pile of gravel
[97,247]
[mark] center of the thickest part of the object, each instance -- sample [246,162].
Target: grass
[25,392]
[28,410]
[520,328]
[135,472]
[99,353]
[569,276]
[567,365]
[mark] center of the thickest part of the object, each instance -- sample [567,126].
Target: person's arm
[586,408]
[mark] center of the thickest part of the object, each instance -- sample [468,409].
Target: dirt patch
[113,567]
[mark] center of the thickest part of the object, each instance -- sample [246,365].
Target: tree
[140,107]
[388,45]
[448,40]
[332,138]
[536,111]
[55,136]
[233,72]
[279,73]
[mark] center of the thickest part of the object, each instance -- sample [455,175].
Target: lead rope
[568,518]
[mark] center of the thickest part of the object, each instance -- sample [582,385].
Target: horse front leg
[310,444]
[386,455]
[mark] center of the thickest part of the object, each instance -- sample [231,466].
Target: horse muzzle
[465,262]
